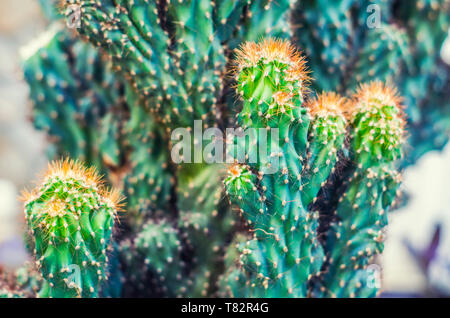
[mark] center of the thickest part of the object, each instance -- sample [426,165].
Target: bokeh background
[416,261]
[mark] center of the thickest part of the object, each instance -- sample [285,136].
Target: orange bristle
[250,53]
[367,93]
[114,198]
[68,168]
[326,104]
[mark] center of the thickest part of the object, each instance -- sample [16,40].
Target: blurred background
[22,148]
[416,261]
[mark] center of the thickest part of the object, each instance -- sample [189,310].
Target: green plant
[355,237]
[146,68]
[350,42]
[71,218]
[284,254]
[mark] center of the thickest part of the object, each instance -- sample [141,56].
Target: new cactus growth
[71,218]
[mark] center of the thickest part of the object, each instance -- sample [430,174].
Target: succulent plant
[112,91]
[71,217]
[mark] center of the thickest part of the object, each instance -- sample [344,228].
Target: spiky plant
[273,194]
[71,217]
[146,68]
[356,234]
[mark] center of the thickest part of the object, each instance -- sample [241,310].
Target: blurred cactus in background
[348,42]
[110,81]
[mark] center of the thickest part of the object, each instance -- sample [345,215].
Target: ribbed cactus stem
[284,252]
[376,139]
[71,217]
[326,138]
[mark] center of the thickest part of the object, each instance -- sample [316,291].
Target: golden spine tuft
[327,104]
[250,54]
[375,94]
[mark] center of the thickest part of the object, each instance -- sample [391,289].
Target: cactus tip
[376,93]
[271,49]
[326,104]
[68,169]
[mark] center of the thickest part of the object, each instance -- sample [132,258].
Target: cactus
[146,68]
[355,236]
[166,100]
[284,252]
[71,218]
[376,132]
[63,71]
[349,42]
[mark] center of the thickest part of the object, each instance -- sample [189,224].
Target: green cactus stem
[377,134]
[71,217]
[284,252]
